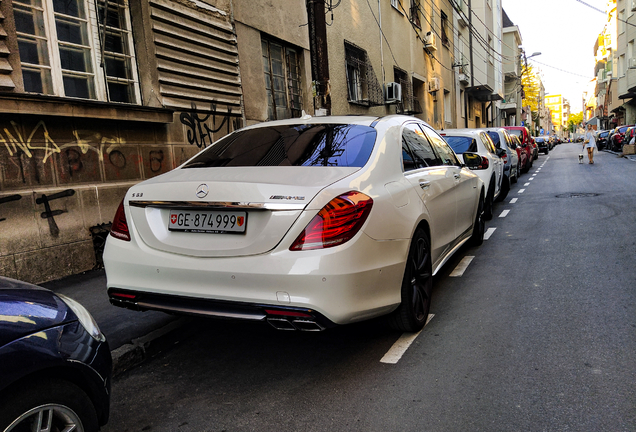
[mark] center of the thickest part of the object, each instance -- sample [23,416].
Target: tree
[574,121]
[531,83]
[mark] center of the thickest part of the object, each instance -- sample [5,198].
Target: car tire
[489,204]
[516,177]
[417,286]
[505,189]
[479,227]
[65,402]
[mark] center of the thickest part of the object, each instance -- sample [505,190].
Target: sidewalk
[129,333]
[630,157]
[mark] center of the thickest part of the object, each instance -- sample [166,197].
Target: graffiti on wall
[50,214]
[7,199]
[39,138]
[198,130]
[79,155]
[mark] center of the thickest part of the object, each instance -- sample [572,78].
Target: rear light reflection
[337,222]
[119,229]
[122,295]
[287,313]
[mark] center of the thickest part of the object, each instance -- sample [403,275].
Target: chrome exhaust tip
[305,325]
[281,324]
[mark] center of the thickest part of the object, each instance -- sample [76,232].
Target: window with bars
[281,65]
[362,84]
[415,13]
[444,27]
[72,48]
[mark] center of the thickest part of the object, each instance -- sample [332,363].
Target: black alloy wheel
[48,405]
[479,227]
[417,286]
[489,204]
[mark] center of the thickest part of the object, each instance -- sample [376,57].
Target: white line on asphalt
[522,190]
[489,232]
[531,178]
[504,213]
[514,200]
[462,266]
[395,353]
[526,184]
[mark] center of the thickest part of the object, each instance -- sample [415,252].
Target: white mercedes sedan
[305,223]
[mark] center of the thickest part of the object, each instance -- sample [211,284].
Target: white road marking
[489,232]
[514,200]
[522,190]
[531,178]
[504,213]
[395,353]
[526,184]
[462,266]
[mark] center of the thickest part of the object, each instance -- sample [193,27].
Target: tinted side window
[485,138]
[445,152]
[494,136]
[420,146]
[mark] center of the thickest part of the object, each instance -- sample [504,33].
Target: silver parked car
[502,140]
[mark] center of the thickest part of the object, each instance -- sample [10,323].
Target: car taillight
[119,229]
[504,158]
[484,164]
[336,223]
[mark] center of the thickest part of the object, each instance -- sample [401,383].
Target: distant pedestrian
[590,143]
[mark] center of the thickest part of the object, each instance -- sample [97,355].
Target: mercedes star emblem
[202,190]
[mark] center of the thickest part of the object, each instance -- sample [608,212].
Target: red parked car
[521,153]
[527,145]
[617,138]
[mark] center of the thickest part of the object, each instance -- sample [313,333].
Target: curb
[621,155]
[130,355]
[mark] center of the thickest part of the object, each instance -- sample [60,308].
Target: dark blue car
[55,364]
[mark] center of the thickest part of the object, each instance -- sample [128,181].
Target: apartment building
[96,96]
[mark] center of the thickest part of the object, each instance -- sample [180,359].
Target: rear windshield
[291,145]
[537,139]
[462,144]
[515,132]
[623,129]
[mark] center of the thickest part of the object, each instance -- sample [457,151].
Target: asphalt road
[537,334]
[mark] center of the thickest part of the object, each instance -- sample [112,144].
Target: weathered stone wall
[61,176]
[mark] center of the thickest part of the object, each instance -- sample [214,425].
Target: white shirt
[589,135]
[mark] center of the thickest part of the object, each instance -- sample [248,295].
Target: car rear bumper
[352,282]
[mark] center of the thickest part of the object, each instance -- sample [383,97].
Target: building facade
[96,96]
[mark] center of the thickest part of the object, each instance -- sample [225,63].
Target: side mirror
[473,161]
[500,152]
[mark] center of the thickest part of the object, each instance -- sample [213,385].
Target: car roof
[462,132]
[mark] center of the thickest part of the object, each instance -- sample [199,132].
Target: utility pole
[319,56]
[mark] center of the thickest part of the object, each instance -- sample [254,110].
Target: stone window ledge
[28,104]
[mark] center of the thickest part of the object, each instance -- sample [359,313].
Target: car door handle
[425,184]
[457,176]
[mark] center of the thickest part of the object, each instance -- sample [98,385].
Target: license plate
[213,222]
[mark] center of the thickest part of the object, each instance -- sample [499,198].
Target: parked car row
[614,139]
[305,223]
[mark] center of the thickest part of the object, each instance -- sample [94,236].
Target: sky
[564,32]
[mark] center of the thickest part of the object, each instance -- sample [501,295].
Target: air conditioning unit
[463,21]
[633,5]
[430,41]
[392,93]
[464,78]
[433,85]
[632,63]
